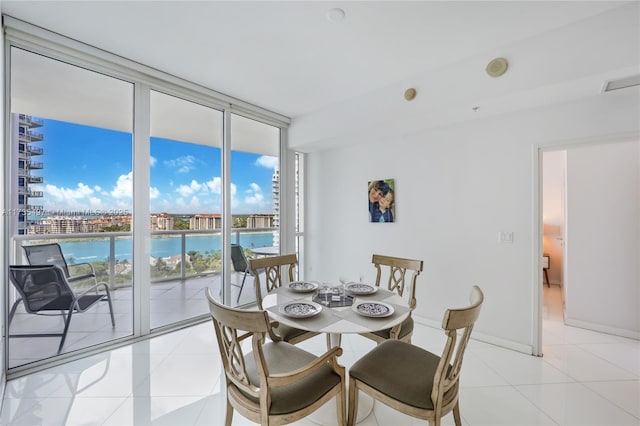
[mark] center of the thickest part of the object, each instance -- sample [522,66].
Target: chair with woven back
[415,381]
[398,268]
[276,382]
[272,268]
[51,254]
[45,290]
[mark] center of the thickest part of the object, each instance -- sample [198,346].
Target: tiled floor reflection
[585,378]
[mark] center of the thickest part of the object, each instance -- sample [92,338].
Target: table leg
[327,415]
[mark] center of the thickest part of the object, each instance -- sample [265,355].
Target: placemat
[372,323]
[316,322]
[329,301]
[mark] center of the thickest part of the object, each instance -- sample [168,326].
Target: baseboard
[481,337]
[630,334]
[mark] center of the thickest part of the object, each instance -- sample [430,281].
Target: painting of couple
[381,201]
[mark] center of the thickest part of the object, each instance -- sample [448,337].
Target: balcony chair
[412,380]
[241,265]
[399,283]
[272,267]
[44,290]
[51,254]
[277,382]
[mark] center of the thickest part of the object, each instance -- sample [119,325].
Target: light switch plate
[505,237]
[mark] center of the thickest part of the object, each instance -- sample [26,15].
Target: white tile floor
[585,378]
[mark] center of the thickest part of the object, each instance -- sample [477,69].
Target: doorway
[590,227]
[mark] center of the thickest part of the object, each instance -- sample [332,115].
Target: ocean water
[96,250]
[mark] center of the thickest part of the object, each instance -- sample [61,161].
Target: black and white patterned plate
[300,309]
[373,309]
[302,286]
[360,288]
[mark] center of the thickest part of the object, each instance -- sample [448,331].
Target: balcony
[176,294]
[31,121]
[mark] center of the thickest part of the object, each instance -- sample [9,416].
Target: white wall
[456,188]
[603,238]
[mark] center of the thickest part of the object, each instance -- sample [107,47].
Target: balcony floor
[171,302]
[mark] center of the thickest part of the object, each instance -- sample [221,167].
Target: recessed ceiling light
[335,15]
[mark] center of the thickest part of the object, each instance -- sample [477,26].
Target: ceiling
[335,78]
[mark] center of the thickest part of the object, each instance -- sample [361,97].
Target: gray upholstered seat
[413,380]
[283,357]
[276,382]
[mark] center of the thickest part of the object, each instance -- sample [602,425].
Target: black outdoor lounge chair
[240,264]
[44,290]
[51,254]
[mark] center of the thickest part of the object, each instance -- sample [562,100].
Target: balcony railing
[118,264]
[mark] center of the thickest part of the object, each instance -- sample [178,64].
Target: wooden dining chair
[413,380]
[272,268]
[276,382]
[398,281]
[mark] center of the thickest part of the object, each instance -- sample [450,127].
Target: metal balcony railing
[116,266]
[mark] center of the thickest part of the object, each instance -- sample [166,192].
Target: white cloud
[124,186]
[152,161]
[68,194]
[268,162]
[153,193]
[254,195]
[215,185]
[192,188]
[183,164]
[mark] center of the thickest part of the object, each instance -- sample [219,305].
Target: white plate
[360,288]
[373,309]
[300,309]
[302,286]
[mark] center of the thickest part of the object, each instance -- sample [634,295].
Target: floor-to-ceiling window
[70,183]
[132,172]
[255,199]
[185,203]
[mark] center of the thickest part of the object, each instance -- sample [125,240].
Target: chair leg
[241,286]
[353,402]
[456,414]
[13,309]
[229,415]
[66,328]
[113,321]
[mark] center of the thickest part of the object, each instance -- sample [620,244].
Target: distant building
[161,222]
[275,190]
[265,220]
[203,222]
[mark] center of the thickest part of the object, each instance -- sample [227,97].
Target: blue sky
[86,168]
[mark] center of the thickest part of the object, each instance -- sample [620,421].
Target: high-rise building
[23,138]
[275,190]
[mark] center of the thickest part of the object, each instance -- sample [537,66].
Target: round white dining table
[266,251]
[336,321]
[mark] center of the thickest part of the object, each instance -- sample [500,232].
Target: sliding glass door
[185,200]
[70,182]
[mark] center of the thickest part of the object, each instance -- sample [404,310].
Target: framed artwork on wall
[382,201]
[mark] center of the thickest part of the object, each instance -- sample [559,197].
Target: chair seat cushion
[406,329]
[400,370]
[287,333]
[283,357]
